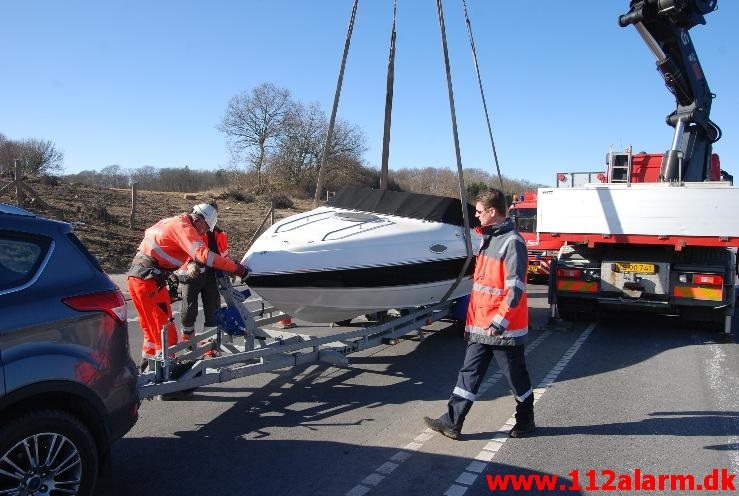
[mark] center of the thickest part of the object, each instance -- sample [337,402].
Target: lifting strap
[462,192]
[337,94]
[482,93]
[388,104]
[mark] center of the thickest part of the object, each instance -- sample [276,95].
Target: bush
[233,195]
[281,201]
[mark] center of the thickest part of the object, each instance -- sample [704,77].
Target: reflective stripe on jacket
[173,240]
[498,297]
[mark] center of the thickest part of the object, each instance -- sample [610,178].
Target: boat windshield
[404,204]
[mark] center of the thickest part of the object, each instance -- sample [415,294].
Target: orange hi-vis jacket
[166,246]
[217,241]
[498,299]
[173,240]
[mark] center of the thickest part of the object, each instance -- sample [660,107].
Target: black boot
[525,424]
[442,427]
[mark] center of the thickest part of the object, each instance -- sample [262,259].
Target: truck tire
[49,449]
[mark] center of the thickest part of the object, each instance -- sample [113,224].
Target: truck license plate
[640,268]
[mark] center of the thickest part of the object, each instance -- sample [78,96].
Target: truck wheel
[47,452]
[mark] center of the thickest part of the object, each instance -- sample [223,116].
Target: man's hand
[494,330]
[193,271]
[241,270]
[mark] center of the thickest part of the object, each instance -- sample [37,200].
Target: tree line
[276,144]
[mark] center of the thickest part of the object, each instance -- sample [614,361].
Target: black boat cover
[401,204]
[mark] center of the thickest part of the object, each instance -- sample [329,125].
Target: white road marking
[372,480]
[724,386]
[468,477]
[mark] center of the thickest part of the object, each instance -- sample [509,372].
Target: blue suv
[67,381]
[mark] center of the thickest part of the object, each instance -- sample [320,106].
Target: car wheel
[47,452]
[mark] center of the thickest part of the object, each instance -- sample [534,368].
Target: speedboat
[364,252]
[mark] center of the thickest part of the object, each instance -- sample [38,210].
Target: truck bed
[704,214]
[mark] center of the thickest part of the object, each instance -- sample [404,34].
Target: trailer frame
[223,353]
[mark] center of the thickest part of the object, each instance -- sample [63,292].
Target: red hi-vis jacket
[221,241]
[498,299]
[173,240]
[217,241]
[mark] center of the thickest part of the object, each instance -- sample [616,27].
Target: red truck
[661,233]
[542,248]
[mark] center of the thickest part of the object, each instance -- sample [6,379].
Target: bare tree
[41,157]
[299,151]
[113,176]
[36,156]
[300,147]
[147,177]
[254,121]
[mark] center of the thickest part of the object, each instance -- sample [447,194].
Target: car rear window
[20,258]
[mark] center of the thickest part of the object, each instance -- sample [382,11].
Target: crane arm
[664,26]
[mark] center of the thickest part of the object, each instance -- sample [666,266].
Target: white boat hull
[337,304]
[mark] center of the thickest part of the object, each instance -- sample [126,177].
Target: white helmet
[207,212]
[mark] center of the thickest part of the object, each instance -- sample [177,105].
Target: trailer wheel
[45,452]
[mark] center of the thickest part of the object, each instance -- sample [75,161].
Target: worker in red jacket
[166,246]
[497,321]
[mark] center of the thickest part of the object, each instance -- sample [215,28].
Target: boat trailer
[239,346]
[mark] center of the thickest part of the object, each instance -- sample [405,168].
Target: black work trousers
[207,288]
[512,363]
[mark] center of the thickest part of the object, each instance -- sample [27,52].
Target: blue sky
[145,83]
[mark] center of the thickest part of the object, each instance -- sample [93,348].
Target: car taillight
[708,279]
[572,273]
[110,302]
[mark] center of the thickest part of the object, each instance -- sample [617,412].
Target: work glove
[181,276]
[241,270]
[188,274]
[495,330]
[193,271]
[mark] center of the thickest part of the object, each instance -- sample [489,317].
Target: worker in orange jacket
[497,321]
[165,247]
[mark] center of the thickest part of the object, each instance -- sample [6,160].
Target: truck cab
[542,249]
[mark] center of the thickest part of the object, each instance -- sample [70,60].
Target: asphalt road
[616,402]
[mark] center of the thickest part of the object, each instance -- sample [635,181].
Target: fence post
[133,203]
[18,185]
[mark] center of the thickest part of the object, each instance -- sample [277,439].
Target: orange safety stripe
[699,293]
[580,286]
